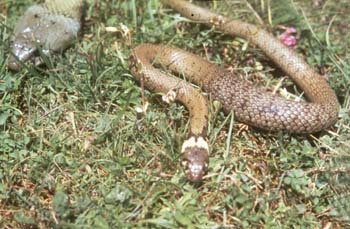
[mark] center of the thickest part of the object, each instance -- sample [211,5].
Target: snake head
[195,158]
[23,50]
[39,27]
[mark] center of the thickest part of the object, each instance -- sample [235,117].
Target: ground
[73,152]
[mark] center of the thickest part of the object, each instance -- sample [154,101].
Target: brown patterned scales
[250,105]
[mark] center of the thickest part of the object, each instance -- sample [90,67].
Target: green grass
[73,154]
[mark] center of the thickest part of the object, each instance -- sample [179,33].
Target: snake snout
[22,51]
[195,161]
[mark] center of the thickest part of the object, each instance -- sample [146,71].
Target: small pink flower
[291,30]
[288,38]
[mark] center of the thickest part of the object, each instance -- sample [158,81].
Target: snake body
[54,24]
[250,105]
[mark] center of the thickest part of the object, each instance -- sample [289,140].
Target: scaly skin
[250,105]
[53,26]
[56,23]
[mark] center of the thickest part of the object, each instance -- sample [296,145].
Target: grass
[74,154]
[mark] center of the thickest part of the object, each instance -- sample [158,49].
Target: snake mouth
[22,51]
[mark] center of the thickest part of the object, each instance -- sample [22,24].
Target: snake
[151,64]
[49,27]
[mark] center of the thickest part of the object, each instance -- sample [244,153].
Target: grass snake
[55,24]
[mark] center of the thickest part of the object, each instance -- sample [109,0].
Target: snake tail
[52,26]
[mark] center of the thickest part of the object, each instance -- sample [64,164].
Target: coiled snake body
[250,105]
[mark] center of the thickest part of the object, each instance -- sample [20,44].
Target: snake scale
[250,105]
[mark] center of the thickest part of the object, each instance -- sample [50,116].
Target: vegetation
[74,153]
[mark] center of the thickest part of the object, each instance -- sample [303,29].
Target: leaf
[4,116]
[301,208]
[100,222]
[182,219]
[119,194]
[20,217]
[60,202]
